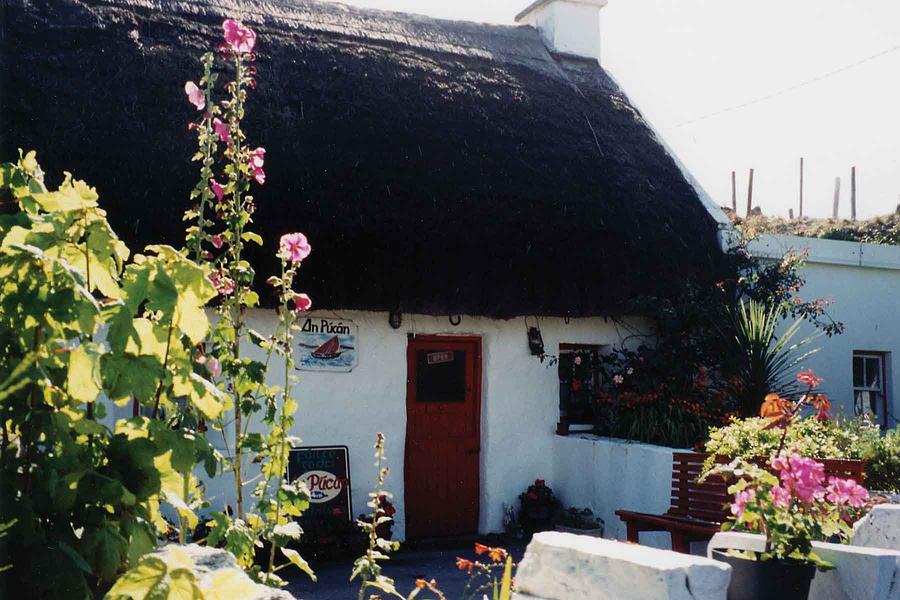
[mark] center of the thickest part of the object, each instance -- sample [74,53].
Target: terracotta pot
[763,580]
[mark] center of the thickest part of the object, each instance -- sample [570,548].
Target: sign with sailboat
[326,345]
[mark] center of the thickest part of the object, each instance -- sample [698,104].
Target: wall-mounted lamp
[395,319]
[455,320]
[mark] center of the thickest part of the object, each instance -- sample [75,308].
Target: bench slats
[698,509]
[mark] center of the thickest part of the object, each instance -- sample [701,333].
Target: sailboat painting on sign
[326,345]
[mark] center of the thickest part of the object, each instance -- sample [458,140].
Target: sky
[820,79]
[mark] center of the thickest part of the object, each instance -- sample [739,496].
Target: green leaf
[146,581]
[105,550]
[208,399]
[84,374]
[230,584]
[249,236]
[183,586]
[297,560]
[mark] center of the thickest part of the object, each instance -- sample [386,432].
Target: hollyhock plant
[791,506]
[195,95]
[257,160]
[241,39]
[302,303]
[294,247]
[222,130]
[217,188]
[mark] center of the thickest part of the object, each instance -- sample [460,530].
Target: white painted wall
[864,280]
[606,475]
[520,404]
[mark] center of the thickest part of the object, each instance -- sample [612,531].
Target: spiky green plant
[766,359]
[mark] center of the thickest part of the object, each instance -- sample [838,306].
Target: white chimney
[567,26]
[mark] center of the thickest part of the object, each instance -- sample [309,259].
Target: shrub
[854,439]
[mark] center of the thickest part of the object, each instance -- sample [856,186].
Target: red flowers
[302,303]
[809,378]
[241,39]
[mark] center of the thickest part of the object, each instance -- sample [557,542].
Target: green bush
[855,439]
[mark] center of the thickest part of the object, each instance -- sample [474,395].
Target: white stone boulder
[564,566]
[210,563]
[860,573]
[879,529]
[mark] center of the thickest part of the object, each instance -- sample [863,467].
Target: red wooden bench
[698,509]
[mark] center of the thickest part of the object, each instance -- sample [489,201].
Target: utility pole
[837,197]
[801,187]
[750,193]
[852,193]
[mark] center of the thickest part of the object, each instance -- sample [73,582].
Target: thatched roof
[437,166]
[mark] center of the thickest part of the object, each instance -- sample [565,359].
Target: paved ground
[405,567]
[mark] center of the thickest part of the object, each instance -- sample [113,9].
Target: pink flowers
[195,95]
[846,491]
[213,366]
[222,130]
[217,188]
[241,39]
[802,476]
[781,497]
[740,502]
[294,247]
[223,284]
[217,241]
[809,378]
[257,159]
[302,303]
[618,379]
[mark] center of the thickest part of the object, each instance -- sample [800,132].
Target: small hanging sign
[327,345]
[436,358]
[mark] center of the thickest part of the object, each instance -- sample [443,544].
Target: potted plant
[792,508]
[581,522]
[539,506]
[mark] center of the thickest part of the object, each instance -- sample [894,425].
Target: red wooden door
[443,417]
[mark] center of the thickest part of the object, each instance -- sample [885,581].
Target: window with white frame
[869,386]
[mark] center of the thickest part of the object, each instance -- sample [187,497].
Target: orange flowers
[496,554]
[777,410]
[464,565]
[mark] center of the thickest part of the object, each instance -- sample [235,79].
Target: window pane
[440,376]
[858,375]
[873,373]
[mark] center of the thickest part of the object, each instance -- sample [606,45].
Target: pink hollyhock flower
[224,285]
[195,95]
[781,497]
[302,303]
[222,129]
[809,378]
[217,241]
[294,247]
[740,502]
[241,39]
[257,160]
[217,188]
[213,366]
